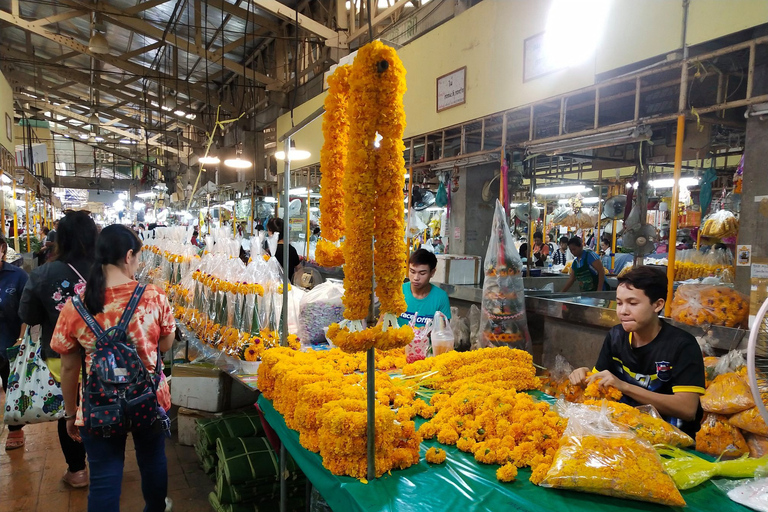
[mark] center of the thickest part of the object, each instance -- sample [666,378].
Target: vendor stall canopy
[144,81]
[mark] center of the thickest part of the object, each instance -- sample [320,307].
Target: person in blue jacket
[12,282]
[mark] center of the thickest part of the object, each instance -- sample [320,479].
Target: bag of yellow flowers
[598,456]
[729,393]
[719,438]
[710,305]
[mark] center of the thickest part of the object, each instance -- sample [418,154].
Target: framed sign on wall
[9,127]
[536,62]
[451,89]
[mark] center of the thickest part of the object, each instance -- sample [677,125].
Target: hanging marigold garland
[333,158]
[373,182]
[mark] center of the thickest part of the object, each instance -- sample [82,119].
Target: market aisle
[30,477]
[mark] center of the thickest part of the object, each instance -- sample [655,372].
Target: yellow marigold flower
[595,391]
[435,455]
[507,473]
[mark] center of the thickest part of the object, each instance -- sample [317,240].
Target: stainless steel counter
[575,324]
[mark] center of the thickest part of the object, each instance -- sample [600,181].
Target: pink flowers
[57,296]
[80,288]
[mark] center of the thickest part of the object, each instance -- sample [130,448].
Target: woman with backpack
[149,328]
[49,288]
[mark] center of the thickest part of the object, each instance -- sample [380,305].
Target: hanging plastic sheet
[705,193]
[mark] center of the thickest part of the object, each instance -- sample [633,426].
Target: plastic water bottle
[549,263]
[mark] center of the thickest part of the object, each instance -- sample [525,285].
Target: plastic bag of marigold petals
[728,393]
[710,305]
[503,322]
[319,308]
[597,456]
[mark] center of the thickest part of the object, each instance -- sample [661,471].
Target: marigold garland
[374,176]
[333,156]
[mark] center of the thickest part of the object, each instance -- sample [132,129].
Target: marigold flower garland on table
[502,366]
[328,408]
[333,158]
[497,426]
[374,175]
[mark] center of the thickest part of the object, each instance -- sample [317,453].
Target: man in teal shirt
[421,297]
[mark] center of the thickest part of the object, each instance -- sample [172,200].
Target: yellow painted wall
[309,139]
[6,107]
[489,38]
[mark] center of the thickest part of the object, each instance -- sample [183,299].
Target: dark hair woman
[275,225]
[109,289]
[48,289]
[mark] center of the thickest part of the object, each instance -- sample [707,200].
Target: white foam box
[458,269]
[204,387]
[186,420]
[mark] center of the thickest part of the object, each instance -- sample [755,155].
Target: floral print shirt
[48,289]
[152,319]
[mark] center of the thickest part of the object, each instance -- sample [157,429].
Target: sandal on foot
[15,440]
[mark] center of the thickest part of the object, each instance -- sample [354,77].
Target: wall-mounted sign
[451,89]
[535,60]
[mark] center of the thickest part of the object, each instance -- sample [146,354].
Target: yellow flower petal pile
[318,395]
[501,366]
[333,156]
[616,465]
[497,425]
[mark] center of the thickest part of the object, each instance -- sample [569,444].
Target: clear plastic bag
[710,305]
[646,422]
[557,383]
[319,308]
[597,456]
[503,321]
[728,394]
[758,445]
[752,494]
[419,348]
[719,438]
[460,329]
[442,336]
[721,224]
[474,326]
[750,421]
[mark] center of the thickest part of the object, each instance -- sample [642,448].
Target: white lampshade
[93,120]
[209,160]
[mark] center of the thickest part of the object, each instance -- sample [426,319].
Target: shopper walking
[49,288]
[12,281]
[275,225]
[110,287]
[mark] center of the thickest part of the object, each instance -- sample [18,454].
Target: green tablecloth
[461,483]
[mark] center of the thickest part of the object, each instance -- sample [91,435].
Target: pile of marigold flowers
[595,391]
[497,425]
[321,395]
[501,366]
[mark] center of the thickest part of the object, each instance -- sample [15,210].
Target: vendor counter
[575,324]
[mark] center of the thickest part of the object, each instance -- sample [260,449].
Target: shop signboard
[451,89]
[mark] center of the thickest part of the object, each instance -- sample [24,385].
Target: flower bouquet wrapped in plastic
[503,321]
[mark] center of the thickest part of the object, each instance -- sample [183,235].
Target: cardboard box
[458,269]
[206,388]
